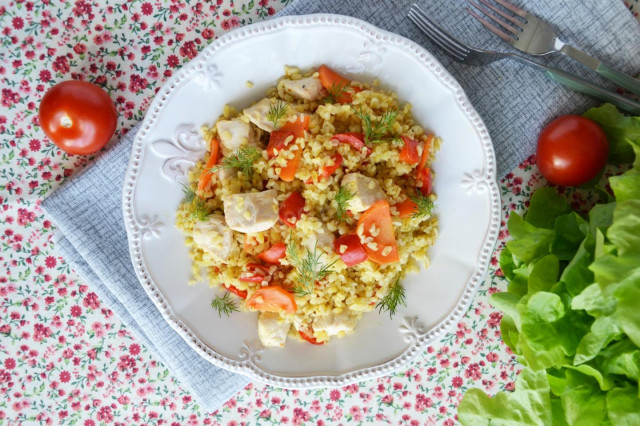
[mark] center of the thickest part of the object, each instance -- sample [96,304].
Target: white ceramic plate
[168,144]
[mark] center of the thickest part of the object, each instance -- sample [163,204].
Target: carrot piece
[409,153]
[425,152]
[205,177]
[272,299]
[423,173]
[331,80]
[297,127]
[288,172]
[383,249]
[406,208]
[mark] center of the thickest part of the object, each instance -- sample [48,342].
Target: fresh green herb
[197,207]
[308,268]
[571,307]
[336,91]
[377,131]
[242,160]
[423,205]
[277,112]
[343,196]
[224,305]
[395,296]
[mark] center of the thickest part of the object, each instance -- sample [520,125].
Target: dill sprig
[224,305]
[308,268]
[343,196]
[277,112]
[395,296]
[242,160]
[423,205]
[197,208]
[336,91]
[376,131]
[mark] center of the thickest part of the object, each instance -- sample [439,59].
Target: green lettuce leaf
[529,404]
[570,230]
[583,401]
[545,206]
[620,129]
[623,405]
[528,241]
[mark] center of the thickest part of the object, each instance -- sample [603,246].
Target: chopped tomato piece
[297,127]
[309,338]
[272,299]
[376,223]
[255,273]
[409,153]
[232,289]
[274,253]
[349,249]
[333,81]
[328,170]
[288,172]
[354,139]
[278,141]
[406,208]
[291,208]
[205,177]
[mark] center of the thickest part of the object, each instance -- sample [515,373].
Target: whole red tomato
[571,150]
[79,117]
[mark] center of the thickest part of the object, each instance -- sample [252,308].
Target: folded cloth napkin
[514,101]
[91,237]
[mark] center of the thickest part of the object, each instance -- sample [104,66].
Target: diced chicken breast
[225,173]
[214,237]
[335,324]
[233,134]
[252,211]
[257,113]
[320,239]
[308,89]
[272,330]
[366,191]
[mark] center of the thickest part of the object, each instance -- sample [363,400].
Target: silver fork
[530,34]
[478,57]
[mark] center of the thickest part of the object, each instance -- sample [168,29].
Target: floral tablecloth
[64,357]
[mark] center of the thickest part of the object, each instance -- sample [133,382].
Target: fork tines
[514,29]
[453,47]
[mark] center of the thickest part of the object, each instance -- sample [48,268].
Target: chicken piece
[257,113]
[233,134]
[225,173]
[335,324]
[366,191]
[252,211]
[321,240]
[272,330]
[214,237]
[308,89]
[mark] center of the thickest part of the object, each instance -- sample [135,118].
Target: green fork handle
[620,78]
[583,86]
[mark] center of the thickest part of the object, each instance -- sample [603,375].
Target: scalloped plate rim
[419,339]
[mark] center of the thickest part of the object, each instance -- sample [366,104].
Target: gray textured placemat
[514,101]
[91,237]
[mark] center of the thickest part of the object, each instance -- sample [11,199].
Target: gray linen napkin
[91,237]
[513,100]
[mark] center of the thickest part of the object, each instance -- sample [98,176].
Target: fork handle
[612,74]
[583,86]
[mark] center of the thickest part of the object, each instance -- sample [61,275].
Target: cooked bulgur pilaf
[311,205]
